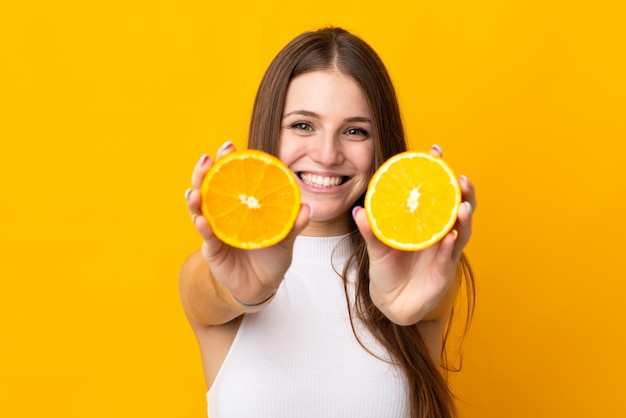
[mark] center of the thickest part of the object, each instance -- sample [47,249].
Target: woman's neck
[328,228]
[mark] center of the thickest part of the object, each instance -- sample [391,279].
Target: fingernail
[311,210]
[354,209]
[469,207]
[187,193]
[464,179]
[455,233]
[193,218]
[203,159]
[438,149]
[226,145]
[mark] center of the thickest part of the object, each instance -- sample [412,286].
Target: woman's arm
[410,287]
[220,282]
[205,300]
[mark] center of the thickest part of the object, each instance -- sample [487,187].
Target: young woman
[330,322]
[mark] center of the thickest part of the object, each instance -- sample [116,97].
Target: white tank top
[298,358]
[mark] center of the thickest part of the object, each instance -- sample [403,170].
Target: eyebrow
[311,114]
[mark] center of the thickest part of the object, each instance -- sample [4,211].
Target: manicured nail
[193,218]
[438,149]
[203,159]
[455,233]
[464,179]
[354,209]
[226,145]
[187,193]
[311,210]
[469,207]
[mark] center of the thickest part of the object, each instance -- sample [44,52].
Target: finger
[192,195]
[436,151]
[445,251]
[194,201]
[306,211]
[212,247]
[203,228]
[467,191]
[375,247]
[463,228]
[200,170]
[226,148]
[464,218]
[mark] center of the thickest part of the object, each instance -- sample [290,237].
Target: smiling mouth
[322,181]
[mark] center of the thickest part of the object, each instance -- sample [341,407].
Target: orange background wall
[107,105]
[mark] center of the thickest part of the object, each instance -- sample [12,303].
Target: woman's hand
[252,276]
[409,286]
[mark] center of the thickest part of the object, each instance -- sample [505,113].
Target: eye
[302,126]
[357,132]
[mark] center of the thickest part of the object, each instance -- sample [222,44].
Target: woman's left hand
[409,286]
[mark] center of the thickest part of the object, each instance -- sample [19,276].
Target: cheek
[289,151]
[365,160]
[283,150]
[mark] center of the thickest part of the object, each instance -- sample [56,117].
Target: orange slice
[250,199]
[412,201]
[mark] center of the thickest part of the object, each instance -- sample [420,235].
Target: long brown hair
[337,49]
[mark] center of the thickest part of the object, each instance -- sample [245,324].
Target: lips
[316,180]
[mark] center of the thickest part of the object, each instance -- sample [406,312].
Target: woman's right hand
[252,276]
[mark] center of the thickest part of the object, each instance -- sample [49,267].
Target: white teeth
[320,181]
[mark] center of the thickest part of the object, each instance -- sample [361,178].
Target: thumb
[375,247]
[302,220]
[212,246]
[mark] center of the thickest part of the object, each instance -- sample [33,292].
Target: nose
[328,150]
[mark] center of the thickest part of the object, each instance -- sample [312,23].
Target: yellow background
[107,105]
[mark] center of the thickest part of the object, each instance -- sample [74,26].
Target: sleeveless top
[299,358]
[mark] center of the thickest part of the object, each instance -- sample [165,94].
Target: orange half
[250,199]
[412,201]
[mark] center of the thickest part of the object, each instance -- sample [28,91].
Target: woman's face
[327,139]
